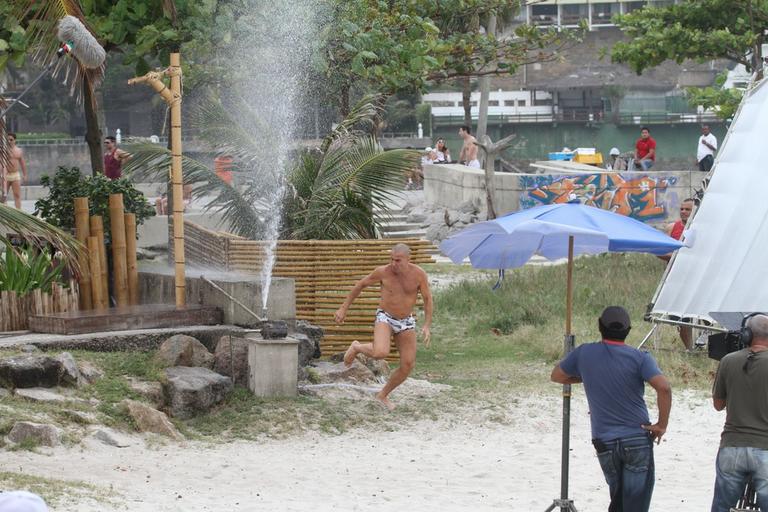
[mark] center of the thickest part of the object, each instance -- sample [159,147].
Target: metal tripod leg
[563,505]
[648,336]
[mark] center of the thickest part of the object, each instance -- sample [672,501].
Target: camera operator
[741,388]
[614,376]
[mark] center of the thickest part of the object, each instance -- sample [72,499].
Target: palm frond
[151,162]
[357,179]
[39,232]
[41,19]
[360,117]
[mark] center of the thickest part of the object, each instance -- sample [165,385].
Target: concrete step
[412,233]
[389,227]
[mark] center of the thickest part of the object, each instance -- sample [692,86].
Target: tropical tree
[698,30]
[40,233]
[400,45]
[334,191]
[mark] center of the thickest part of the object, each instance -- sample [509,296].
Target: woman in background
[443,153]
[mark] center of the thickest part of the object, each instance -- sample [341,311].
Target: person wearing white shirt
[705,153]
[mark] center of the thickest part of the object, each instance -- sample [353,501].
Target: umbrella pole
[565,504]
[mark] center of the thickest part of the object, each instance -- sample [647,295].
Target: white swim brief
[396,324]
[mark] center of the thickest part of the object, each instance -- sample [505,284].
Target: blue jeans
[734,465]
[646,164]
[627,464]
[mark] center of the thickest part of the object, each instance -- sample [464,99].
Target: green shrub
[68,183]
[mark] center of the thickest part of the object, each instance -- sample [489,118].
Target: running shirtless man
[468,155]
[401,281]
[16,173]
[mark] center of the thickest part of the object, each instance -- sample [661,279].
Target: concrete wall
[157,287]
[450,185]
[652,197]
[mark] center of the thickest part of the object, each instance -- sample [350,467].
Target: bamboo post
[130,250]
[119,265]
[95,262]
[82,232]
[172,97]
[97,230]
[178,192]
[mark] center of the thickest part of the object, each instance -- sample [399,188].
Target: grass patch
[515,334]
[55,491]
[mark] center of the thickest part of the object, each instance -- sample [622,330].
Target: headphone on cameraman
[745,333]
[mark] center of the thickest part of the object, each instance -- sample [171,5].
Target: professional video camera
[737,337]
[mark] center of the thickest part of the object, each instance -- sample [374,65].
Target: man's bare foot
[385,401]
[351,353]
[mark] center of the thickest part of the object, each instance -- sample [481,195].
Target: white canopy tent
[726,266]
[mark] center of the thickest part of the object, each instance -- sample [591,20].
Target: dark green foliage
[68,183]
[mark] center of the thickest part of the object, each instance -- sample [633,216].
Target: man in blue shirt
[614,377]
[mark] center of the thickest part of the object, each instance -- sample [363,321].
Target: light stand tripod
[564,503]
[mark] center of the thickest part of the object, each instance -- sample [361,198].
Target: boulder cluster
[193,381]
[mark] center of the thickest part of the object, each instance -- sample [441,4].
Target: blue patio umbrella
[555,232]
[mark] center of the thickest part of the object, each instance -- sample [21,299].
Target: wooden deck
[146,316]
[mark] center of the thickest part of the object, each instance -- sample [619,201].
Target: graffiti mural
[635,196]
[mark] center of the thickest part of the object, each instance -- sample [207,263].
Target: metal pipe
[230,297]
[688,324]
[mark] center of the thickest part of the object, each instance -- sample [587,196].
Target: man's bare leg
[686,336]
[16,186]
[406,345]
[379,349]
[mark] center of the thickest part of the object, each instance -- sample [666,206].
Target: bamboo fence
[323,271]
[15,309]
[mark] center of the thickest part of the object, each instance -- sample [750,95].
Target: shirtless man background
[468,155]
[401,281]
[16,172]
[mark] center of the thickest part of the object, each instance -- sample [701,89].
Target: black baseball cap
[615,318]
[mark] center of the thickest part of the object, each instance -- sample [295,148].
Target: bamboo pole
[173,98]
[97,230]
[82,232]
[178,192]
[95,262]
[130,250]
[119,265]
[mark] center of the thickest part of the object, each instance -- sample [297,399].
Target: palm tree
[335,191]
[39,232]
[43,16]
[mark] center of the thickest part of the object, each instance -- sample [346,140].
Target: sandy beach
[461,463]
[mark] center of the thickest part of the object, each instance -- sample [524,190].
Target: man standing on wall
[645,150]
[401,282]
[114,158]
[468,154]
[741,388]
[15,174]
[614,377]
[705,151]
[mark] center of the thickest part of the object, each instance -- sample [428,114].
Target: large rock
[315,333]
[110,437]
[89,373]
[437,232]
[189,391]
[307,349]
[41,395]
[223,358]
[29,372]
[183,350]
[148,419]
[324,372]
[379,367]
[151,390]
[69,374]
[416,217]
[26,431]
